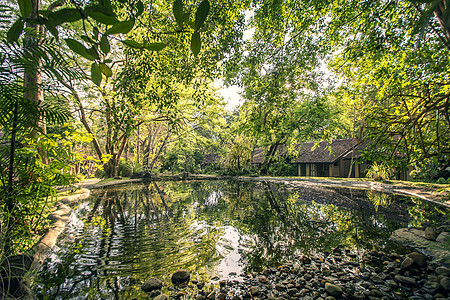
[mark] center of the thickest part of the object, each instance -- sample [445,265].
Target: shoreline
[428,194]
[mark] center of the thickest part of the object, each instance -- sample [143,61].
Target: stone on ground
[333,289]
[151,285]
[180,276]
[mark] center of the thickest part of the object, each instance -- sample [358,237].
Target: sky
[231,93]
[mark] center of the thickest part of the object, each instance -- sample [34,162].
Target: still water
[120,237]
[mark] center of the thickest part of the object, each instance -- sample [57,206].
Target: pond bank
[426,193]
[25,266]
[122,202]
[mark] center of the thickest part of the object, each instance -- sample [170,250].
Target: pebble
[325,277]
[333,290]
[180,276]
[151,285]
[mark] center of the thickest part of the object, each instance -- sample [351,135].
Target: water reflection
[128,234]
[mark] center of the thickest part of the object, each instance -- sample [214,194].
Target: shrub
[379,172]
[125,168]
[441,180]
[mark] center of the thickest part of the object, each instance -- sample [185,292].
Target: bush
[125,168]
[441,180]
[426,169]
[379,172]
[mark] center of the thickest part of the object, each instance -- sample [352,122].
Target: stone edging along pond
[42,249]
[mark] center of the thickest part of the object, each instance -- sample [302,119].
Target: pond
[121,236]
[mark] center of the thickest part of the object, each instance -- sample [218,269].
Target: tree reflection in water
[131,233]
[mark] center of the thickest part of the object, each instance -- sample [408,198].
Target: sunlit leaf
[201,14]
[121,27]
[96,74]
[196,43]
[106,70]
[15,31]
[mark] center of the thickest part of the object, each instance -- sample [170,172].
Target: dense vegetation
[113,88]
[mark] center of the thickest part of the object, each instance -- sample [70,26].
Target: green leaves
[121,27]
[178,12]
[101,14]
[15,31]
[201,14]
[78,48]
[64,15]
[25,8]
[196,43]
[105,69]
[104,44]
[96,74]
[155,46]
[132,44]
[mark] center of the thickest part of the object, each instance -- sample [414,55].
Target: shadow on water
[123,236]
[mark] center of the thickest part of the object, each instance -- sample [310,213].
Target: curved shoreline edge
[64,206]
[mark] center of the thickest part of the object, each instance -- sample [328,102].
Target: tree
[389,56]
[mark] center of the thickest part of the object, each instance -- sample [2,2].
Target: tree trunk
[159,151]
[269,158]
[33,77]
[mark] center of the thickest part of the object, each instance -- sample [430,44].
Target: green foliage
[281,166]
[379,172]
[126,168]
[425,169]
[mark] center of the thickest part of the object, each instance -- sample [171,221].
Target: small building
[333,159]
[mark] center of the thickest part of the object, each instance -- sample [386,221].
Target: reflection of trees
[129,235]
[136,232]
[378,199]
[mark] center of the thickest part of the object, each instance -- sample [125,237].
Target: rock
[222,296]
[407,263]
[280,287]
[333,289]
[180,276]
[391,283]
[154,293]
[443,237]
[151,285]
[200,285]
[162,297]
[263,279]
[430,234]
[405,280]
[418,258]
[330,298]
[445,283]
[442,271]
[253,291]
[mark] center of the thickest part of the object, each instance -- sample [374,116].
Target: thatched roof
[357,152]
[258,155]
[323,152]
